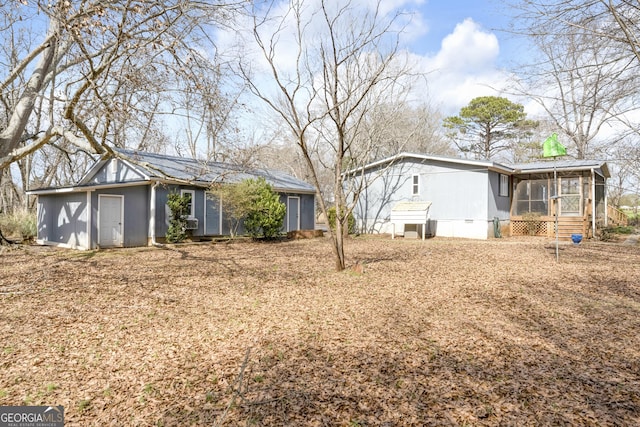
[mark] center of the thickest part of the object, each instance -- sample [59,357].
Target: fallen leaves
[438,332]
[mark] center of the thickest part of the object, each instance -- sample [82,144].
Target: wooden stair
[616,217]
[568,225]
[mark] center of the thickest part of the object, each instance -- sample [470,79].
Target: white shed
[412,214]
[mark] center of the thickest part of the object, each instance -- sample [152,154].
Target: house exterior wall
[499,205]
[458,192]
[136,214]
[62,220]
[163,213]
[212,220]
[307,210]
[213,215]
[599,197]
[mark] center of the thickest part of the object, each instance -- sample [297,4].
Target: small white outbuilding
[411,218]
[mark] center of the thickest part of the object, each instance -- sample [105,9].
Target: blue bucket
[576,238]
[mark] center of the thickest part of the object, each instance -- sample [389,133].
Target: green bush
[331,213]
[265,214]
[608,234]
[624,229]
[254,203]
[178,205]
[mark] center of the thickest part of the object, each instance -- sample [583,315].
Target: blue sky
[441,18]
[464,47]
[457,44]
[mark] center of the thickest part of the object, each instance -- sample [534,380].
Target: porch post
[152,214]
[89,221]
[606,203]
[594,205]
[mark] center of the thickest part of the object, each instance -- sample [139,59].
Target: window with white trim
[504,185]
[415,185]
[191,194]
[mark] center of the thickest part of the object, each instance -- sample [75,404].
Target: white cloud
[464,68]
[468,48]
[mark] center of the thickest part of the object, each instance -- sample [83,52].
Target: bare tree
[391,128]
[587,75]
[625,171]
[582,87]
[324,78]
[388,130]
[78,78]
[618,22]
[99,64]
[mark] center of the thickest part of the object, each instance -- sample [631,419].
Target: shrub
[609,233]
[621,229]
[178,205]
[265,213]
[20,224]
[331,213]
[267,218]
[254,202]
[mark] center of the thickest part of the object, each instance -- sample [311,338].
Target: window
[504,185]
[532,195]
[415,185]
[191,205]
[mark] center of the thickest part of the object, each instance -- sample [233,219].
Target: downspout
[594,204]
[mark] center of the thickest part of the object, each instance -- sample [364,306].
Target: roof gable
[113,170]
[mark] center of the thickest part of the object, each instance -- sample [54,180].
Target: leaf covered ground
[441,332]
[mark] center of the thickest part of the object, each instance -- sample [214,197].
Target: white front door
[293,213]
[110,220]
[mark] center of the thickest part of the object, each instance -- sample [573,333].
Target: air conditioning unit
[192,224]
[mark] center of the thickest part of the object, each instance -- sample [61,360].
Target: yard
[438,332]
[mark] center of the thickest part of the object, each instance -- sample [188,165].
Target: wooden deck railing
[616,216]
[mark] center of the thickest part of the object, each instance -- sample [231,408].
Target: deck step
[571,225]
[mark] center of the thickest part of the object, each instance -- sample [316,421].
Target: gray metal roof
[437,158]
[533,167]
[562,165]
[199,172]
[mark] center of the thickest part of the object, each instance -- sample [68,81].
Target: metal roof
[562,165]
[488,164]
[506,168]
[200,172]
[172,169]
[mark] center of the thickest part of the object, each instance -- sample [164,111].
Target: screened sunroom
[580,200]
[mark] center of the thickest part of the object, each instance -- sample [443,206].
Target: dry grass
[431,333]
